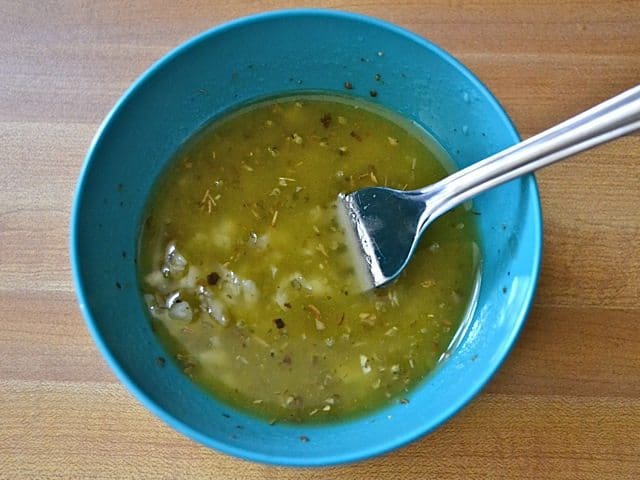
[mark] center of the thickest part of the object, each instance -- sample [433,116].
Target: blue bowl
[265,55]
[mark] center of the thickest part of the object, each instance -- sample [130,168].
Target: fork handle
[611,119]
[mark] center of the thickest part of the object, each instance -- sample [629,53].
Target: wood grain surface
[566,403]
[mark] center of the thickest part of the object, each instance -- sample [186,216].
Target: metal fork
[388,223]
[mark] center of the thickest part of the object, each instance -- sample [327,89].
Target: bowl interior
[249,59]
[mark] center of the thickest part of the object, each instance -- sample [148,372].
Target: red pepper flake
[373,93]
[348,85]
[304,438]
[326,120]
[279,322]
[355,135]
[213,278]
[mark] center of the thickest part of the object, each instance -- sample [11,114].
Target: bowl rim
[352,455]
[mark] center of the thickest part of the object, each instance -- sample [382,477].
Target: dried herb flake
[213,278]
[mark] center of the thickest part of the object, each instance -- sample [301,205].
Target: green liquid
[275,323]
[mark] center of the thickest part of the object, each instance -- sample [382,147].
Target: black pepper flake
[348,85]
[279,322]
[355,135]
[118,286]
[304,438]
[373,93]
[286,359]
[378,77]
[213,278]
[326,120]
[287,305]
[160,361]
[504,289]
[124,254]
[226,415]
[404,401]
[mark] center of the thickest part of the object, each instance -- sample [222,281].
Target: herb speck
[213,278]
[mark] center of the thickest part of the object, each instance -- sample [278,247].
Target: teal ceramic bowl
[265,55]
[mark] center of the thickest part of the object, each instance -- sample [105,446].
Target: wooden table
[566,404]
